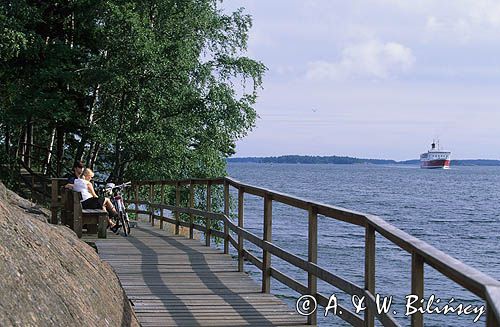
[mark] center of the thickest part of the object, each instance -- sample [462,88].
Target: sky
[375,78]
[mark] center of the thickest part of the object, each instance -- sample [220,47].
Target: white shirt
[81,186]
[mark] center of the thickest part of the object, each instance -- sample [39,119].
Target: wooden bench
[74,216]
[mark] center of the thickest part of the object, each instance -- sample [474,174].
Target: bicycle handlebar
[121,186]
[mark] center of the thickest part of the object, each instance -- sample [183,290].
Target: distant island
[296,159]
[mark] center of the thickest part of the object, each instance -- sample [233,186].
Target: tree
[145,89]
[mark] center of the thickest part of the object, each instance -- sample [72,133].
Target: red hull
[435,164]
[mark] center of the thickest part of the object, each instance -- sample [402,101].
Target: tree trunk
[59,149]
[49,152]
[7,141]
[118,155]
[118,161]
[90,121]
[89,154]
[121,172]
[124,168]
[21,147]
[94,155]
[29,140]
[81,148]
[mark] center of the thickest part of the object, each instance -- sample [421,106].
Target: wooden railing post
[226,212]
[136,195]
[369,271]
[209,209]
[417,287]
[191,205]
[151,209]
[491,319]
[241,193]
[162,193]
[312,257]
[54,201]
[267,236]
[77,214]
[177,204]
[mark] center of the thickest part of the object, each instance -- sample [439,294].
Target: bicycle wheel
[122,223]
[125,224]
[126,228]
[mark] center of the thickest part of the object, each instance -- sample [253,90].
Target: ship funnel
[433,145]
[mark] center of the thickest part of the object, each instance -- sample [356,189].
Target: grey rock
[48,277]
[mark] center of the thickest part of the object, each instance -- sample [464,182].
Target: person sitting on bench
[90,200]
[76,172]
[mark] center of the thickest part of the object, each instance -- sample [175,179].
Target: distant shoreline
[342,160]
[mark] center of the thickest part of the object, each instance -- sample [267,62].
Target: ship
[435,158]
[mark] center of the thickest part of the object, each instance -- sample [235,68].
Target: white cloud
[372,59]
[482,12]
[465,21]
[451,21]
[460,30]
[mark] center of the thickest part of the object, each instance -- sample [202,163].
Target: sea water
[456,211]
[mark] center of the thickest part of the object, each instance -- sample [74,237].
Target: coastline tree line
[135,89]
[343,160]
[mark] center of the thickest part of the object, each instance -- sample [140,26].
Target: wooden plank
[209,209]
[267,236]
[312,257]
[162,199]
[493,300]
[226,213]
[219,234]
[201,303]
[191,205]
[290,282]
[369,271]
[240,225]
[417,287]
[385,318]
[77,214]
[102,226]
[253,259]
[343,312]
[151,208]
[136,198]
[94,211]
[176,281]
[191,211]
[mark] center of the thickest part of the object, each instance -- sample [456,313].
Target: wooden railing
[36,157]
[57,200]
[39,185]
[422,253]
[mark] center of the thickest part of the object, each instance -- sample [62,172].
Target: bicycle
[115,192]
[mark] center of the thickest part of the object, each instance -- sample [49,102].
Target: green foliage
[157,89]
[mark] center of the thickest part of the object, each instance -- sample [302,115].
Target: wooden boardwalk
[175,281]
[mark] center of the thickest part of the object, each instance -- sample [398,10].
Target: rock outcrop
[48,277]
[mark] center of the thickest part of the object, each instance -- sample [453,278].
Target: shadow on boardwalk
[174,281]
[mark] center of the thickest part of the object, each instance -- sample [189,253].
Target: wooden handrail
[46,149]
[197,181]
[422,253]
